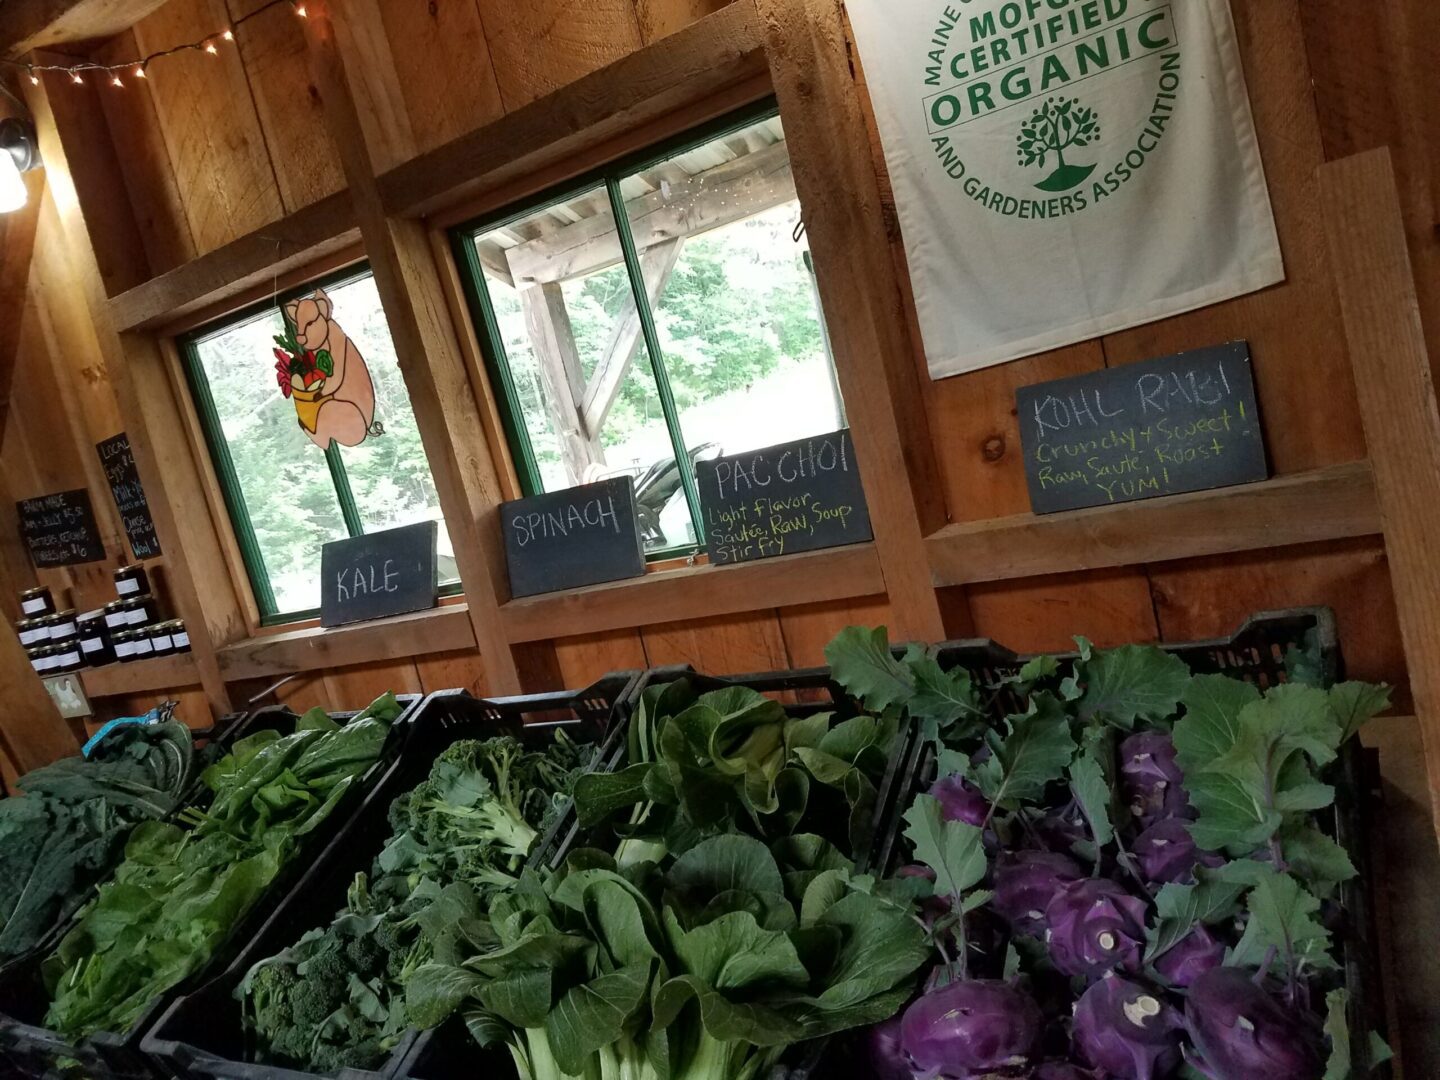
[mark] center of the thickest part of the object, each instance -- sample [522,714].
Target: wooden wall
[213,148]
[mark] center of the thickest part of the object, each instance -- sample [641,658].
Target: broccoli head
[365,954]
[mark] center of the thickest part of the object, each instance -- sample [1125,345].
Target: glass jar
[132,581]
[62,627]
[140,647]
[95,645]
[37,602]
[161,641]
[123,642]
[33,632]
[116,617]
[67,658]
[179,636]
[139,611]
[43,660]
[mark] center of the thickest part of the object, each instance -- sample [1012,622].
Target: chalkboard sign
[565,539]
[379,574]
[794,497]
[124,480]
[1187,422]
[60,529]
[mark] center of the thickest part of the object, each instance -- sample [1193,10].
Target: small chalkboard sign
[124,480]
[378,574]
[565,539]
[1187,422]
[60,529]
[794,497]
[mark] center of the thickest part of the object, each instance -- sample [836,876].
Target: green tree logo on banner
[1053,128]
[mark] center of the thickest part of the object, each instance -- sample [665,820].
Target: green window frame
[224,464]
[492,343]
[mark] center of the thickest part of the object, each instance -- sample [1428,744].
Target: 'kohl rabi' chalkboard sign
[565,539]
[379,574]
[794,497]
[1187,422]
[60,529]
[124,480]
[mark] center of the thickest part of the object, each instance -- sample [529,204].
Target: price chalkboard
[379,574]
[60,529]
[565,539]
[124,480]
[1187,422]
[785,499]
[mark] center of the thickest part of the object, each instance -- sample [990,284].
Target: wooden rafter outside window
[661,310]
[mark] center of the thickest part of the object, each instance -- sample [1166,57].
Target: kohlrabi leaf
[1133,682]
[1354,703]
[950,848]
[1087,781]
[1211,723]
[951,763]
[1282,914]
[1037,668]
[1340,1063]
[1314,857]
[1032,755]
[941,696]
[860,661]
[1178,908]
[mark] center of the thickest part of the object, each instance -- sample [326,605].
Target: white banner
[1065,168]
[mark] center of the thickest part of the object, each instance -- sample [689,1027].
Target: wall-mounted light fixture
[19,153]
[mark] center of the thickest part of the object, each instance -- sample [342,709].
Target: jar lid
[128,569]
[143,598]
[35,591]
[86,616]
[29,624]
[64,616]
[44,650]
[122,635]
[114,605]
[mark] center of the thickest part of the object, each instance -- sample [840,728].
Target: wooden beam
[553,341]
[445,404]
[143,676]
[38,24]
[830,155]
[1328,504]
[711,55]
[657,263]
[698,593]
[294,243]
[738,189]
[1360,208]
[425,633]
[17,241]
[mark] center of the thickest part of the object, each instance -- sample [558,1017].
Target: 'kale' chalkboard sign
[379,574]
[60,529]
[1187,422]
[124,480]
[579,536]
[794,497]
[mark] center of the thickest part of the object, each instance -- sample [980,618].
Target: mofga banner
[1065,169]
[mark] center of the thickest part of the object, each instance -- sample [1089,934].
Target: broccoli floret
[365,954]
[326,973]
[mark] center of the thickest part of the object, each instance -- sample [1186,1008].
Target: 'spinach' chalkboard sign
[124,480]
[566,539]
[1187,422]
[379,574]
[60,529]
[798,496]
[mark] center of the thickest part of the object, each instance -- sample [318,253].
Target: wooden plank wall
[214,148]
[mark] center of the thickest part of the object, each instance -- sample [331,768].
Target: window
[287,496]
[661,311]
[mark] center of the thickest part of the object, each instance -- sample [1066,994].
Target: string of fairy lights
[115,74]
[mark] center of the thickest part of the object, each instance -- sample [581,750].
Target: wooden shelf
[157,673]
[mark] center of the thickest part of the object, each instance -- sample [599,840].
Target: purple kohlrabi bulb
[888,1059]
[1241,1032]
[960,800]
[1025,883]
[1094,926]
[1167,853]
[971,1027]
[1196,953]
[1127,1030]
[1150,779]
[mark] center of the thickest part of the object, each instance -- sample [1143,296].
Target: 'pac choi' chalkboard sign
[60,529]
[1187,422]
[794,497]
[379,574]
[124,480]
[565,539]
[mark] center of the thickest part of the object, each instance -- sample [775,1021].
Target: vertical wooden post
[840,200]
[440,393]
[1371,263]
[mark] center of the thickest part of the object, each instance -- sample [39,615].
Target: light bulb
[116,81]
[211,49]
[12,187]
[75,78]
[140,72]
[300,10]
[228,35]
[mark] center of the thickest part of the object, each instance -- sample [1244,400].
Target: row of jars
[159,639]
[126,629]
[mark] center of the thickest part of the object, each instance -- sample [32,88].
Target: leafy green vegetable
[1133,682]
[180,891]
[69,827]
[1092,789]
[950,848]
[1180,908]
[1034,753]
[860,660]
[1282,916]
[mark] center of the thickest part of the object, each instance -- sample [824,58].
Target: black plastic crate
[200,1035]
[36,1051]
[1255,653]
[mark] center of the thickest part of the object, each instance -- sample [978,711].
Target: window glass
[287,495]
[742,360]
